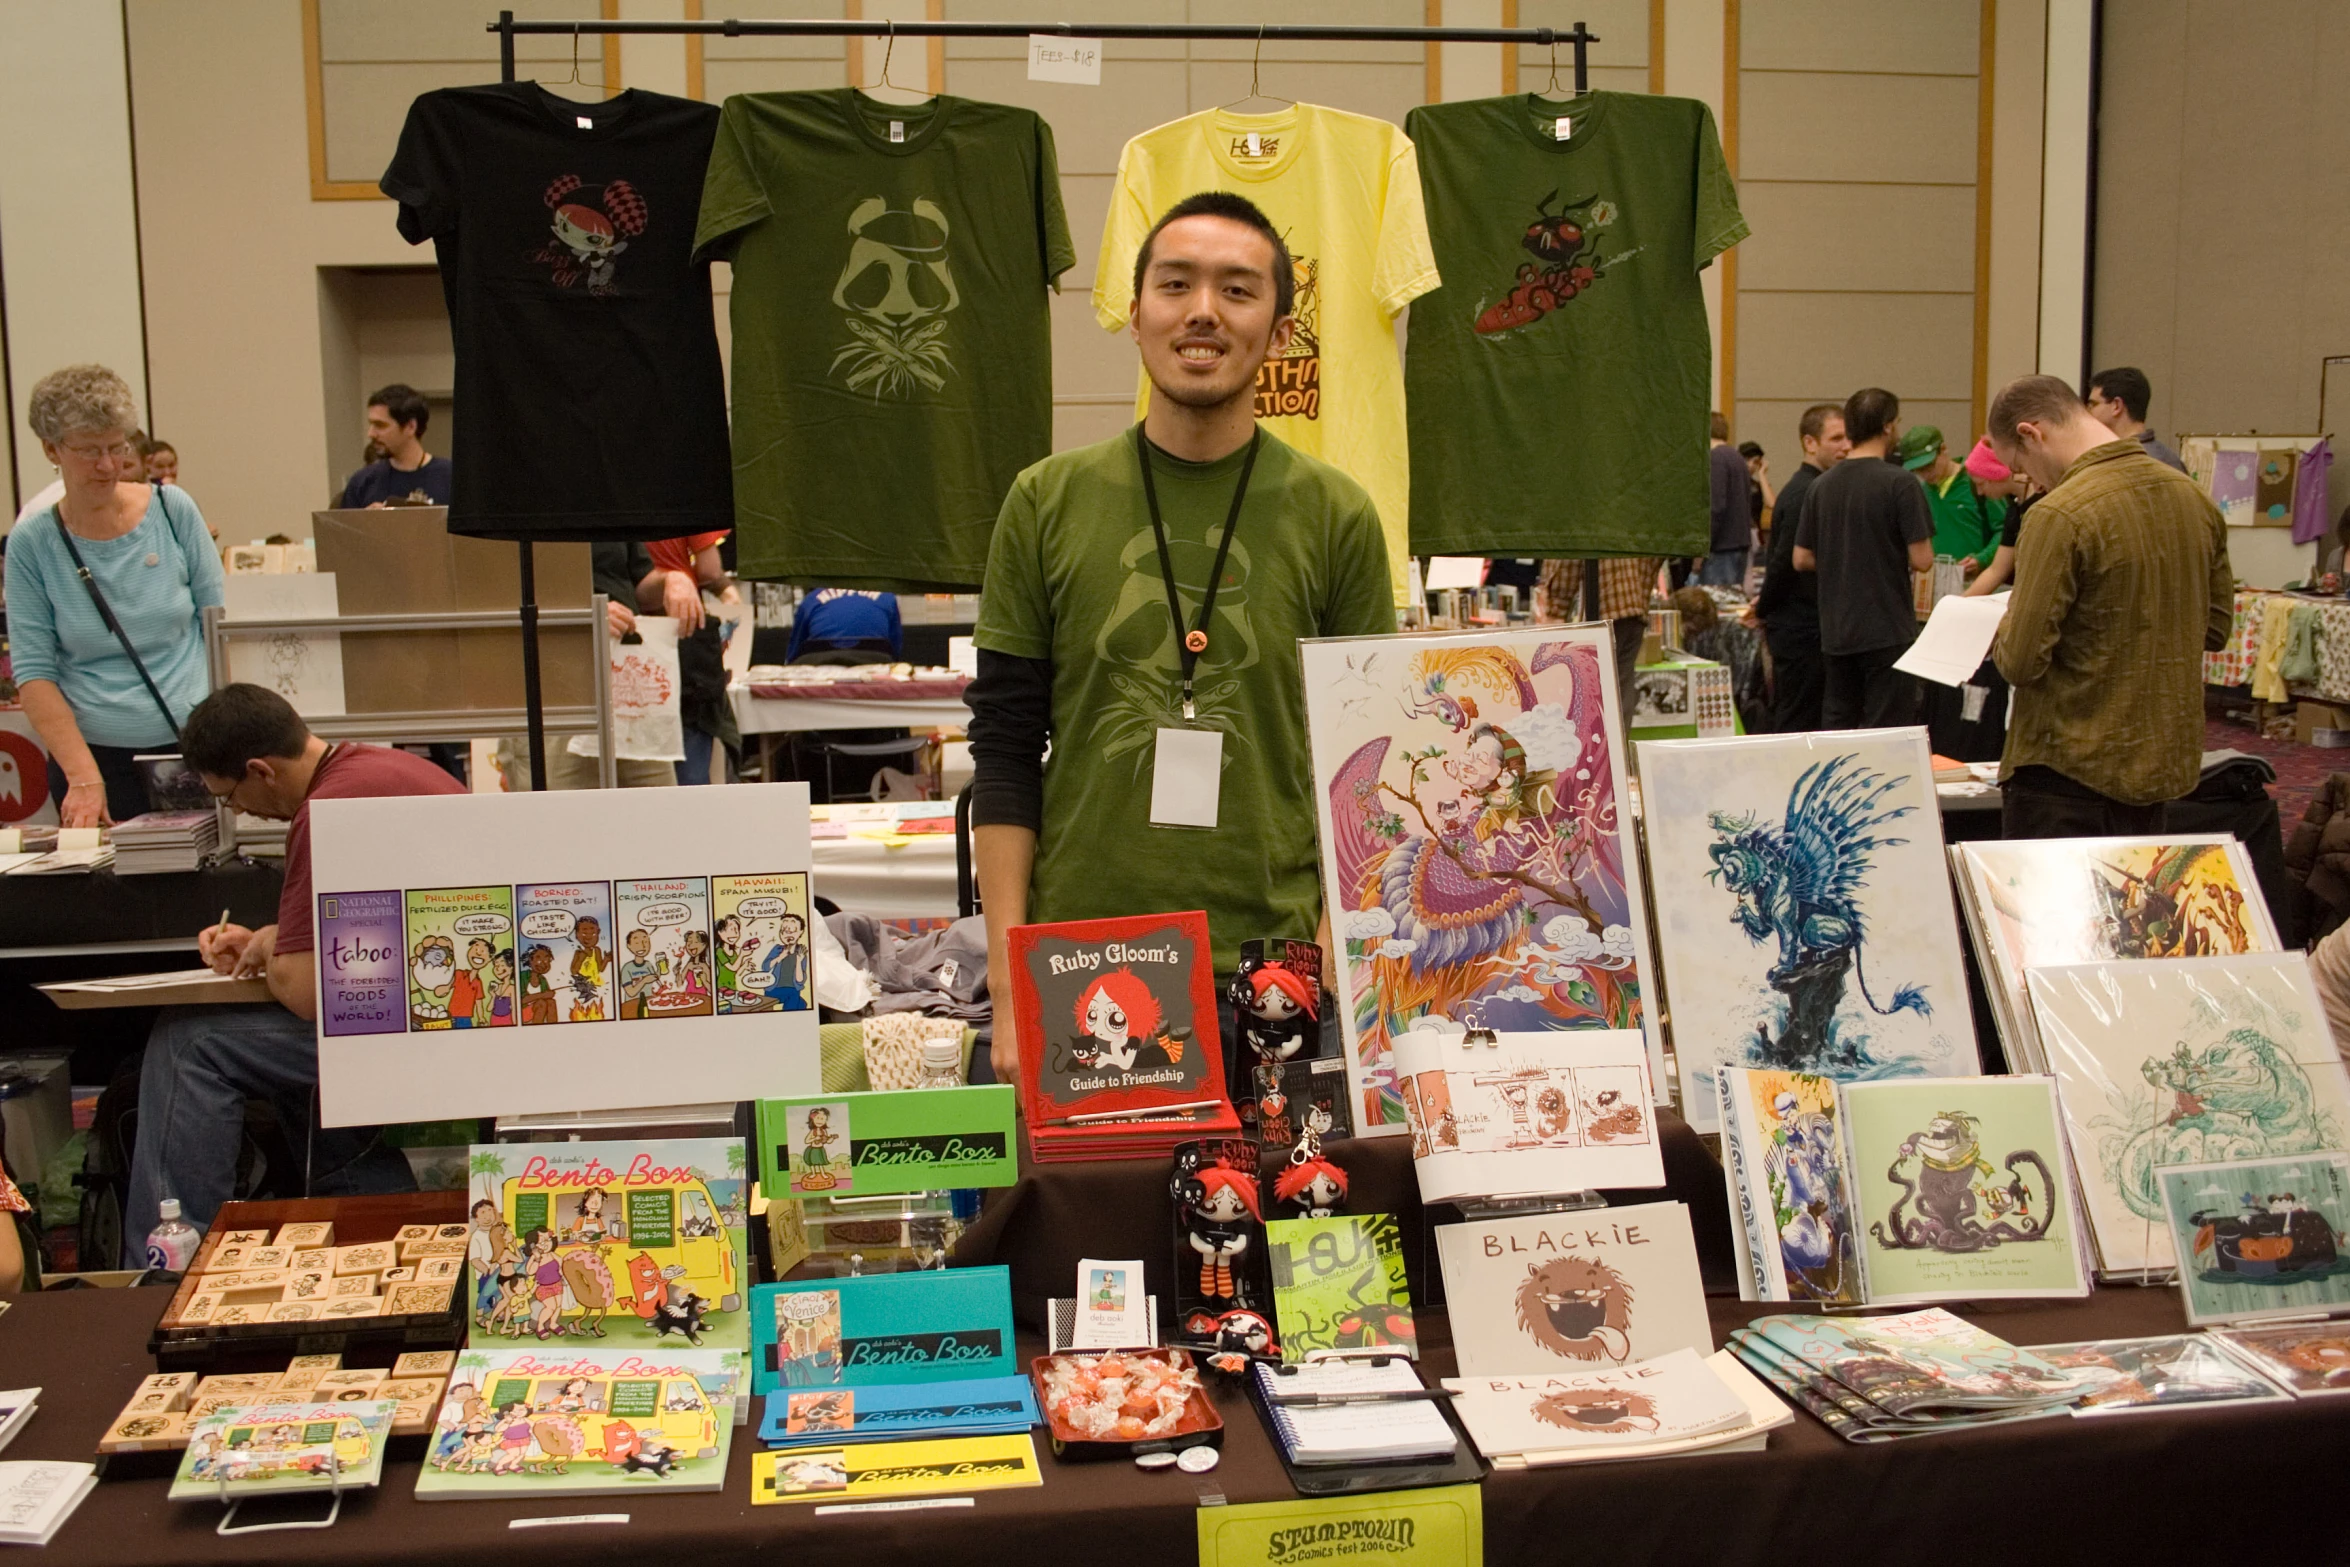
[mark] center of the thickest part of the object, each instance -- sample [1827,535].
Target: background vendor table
[901,877]
[53,916]
[862,704]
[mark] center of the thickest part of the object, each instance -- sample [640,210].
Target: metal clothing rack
[508,28]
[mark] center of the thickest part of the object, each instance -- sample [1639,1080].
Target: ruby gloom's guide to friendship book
[553,952]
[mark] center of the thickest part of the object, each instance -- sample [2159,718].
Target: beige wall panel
[1085,424]
[1898,129]
[1091,126]
[1089,362]
[2016,124]
[367,104]
[233,244]
[718,46]
[1776,423]
[1367,13]
[338,366]
[1622,26]
[2141,211]
[1384,92]
[1857,237]
[1115,51]
[1085,202]
[1858,35]
[404,335]
[1915,345]
[443,30]
[722,79]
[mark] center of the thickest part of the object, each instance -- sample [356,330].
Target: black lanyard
[1190,644]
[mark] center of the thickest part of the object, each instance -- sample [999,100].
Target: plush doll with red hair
[1317,1186]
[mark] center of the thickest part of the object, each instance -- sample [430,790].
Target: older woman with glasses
[106,592]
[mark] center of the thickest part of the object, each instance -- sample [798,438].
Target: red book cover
[1116,1014]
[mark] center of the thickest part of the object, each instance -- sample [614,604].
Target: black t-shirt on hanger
[589,400]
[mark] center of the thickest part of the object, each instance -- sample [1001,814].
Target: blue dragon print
[1799,883]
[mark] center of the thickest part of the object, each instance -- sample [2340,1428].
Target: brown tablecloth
[2167,1487]
[1118,1208]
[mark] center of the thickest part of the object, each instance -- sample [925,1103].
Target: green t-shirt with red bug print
[1560,379]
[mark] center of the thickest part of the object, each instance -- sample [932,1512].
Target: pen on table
[1310,1400]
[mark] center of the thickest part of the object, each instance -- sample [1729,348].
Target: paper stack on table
[1674,1404]
[36,1499]
[164,841]
[1872,1379]
[16,1407]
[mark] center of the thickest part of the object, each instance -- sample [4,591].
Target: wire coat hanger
[1554,90]
[889,48]
[1256,61]
[575,79]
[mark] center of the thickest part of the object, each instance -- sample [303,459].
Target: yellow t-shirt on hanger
[1344,190]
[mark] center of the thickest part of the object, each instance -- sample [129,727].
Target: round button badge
[1162,1459]
[1198,1460]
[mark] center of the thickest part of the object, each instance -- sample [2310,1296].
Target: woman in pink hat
[1992,477]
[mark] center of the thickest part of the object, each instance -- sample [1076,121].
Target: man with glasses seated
[256,755]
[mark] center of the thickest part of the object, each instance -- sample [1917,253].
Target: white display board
[507,954]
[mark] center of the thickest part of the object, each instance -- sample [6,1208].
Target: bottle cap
[168,1209]
[942,1055]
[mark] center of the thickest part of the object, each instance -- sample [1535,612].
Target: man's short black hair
[1869,413]
[1814,424]
[238,724]
[2126,382]
[404,403]
[1750,450]
[1224,204]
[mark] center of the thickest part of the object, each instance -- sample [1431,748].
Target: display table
[849,704]
[2161,1487]
[865,868]
[97,912]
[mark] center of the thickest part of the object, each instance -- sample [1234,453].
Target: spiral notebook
[1395,1426]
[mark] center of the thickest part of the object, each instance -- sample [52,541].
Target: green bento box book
[911,1140]
[268,1449]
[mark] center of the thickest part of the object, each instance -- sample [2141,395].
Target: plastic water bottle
[942,1063]
[171,1245]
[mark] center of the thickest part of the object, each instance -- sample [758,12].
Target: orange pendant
[1196,641]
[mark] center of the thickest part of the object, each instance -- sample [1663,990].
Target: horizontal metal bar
[1232,32]
[462,724]
[459,620]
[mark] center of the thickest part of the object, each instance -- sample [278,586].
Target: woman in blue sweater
[151,560]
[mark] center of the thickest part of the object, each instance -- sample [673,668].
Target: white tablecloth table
[911,878]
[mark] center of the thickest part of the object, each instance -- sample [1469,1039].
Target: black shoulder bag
[105,610]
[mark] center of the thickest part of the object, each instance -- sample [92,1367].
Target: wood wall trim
[314,110]
[695,87]
[853,61]
[611,70]
[936,11]
[1986,91]
[1656,47]
[1731,33]
[1432,86]
[1509,53]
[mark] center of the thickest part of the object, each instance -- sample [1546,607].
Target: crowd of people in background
[2123,585]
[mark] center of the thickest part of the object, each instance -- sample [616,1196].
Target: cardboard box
[2310,716]
[425,1363]
[300,1237]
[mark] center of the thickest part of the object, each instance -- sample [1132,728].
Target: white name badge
[1187,770]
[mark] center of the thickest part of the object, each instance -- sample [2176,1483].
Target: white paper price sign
[1053,58]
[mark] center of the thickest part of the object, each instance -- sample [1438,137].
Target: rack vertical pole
[1581,40]
[533,705]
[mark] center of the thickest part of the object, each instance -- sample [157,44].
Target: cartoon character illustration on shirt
[1565,248]
[897,287]
[592,226]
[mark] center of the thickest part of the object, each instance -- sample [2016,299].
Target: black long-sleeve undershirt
[1011,704]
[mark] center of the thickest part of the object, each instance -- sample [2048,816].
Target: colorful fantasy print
[1474,860]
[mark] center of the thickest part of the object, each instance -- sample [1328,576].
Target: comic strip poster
[764,957]
[566,951]
[460,958]
[448,914]
[664,947]
[1477,861]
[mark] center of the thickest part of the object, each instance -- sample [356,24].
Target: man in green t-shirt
[1966,527]
[1078,642]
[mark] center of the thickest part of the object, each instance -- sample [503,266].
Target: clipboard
[1397,1474]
